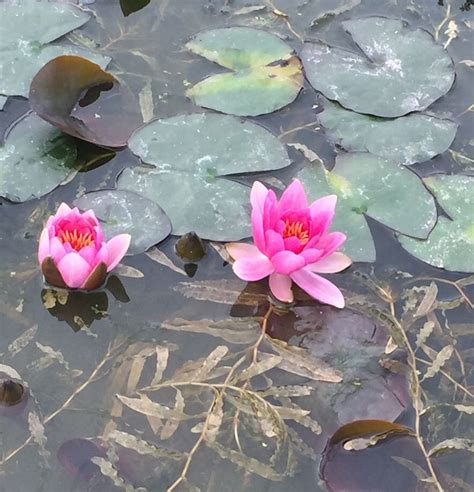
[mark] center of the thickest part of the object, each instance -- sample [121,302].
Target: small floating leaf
[450,244]
[130,6]
[370,185]
[192,155]
[402,69]
[81,99]
[409,139]
[122,211]
[35,159]
[267,75]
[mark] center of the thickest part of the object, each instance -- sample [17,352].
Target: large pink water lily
[292,244]
[73,253]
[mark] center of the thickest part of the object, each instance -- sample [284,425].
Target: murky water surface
[76,353]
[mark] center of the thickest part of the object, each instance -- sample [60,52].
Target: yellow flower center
[296,229]
[75,239]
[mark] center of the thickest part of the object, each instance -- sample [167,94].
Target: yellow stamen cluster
[296,229]
[77,241]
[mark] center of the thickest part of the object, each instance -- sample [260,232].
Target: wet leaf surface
[35,159]
[409,139]
[369,185]
[401,70]
[81,99]
[27,28]
[266,73]
[126,212]
[192,154]
[450,244]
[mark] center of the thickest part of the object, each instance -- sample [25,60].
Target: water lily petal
[88,253]
[333,263]
[293,198]
[311,255]
[318,287]
[56,249]
[257,196]
[242,250]
[74,269]
[286,262]
[253,268]
[331,242]
[43,247]
[322,213]
[117,248]
[63,209]
[292,243]
[280,285]
[257,229]
[270,211]
[274,243]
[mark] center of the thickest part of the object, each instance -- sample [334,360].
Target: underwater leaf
[171,426]
[426,304]
[81,99]
[140,446]
[162,355]
[126,212]
[160,257]
[128,271]
[27,28]
[210,362]
[424,334]
[440,360]
[214,420]
[409,139]
[469,409]
[266,73]
[36,429]
[370,185]
[264,365]
[22,341]
[192,154]
[401,70]
[145,406]
[35,159]
[452,444]
[450,243]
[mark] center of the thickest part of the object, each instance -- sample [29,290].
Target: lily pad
[193,154]
[25,31]
[81,99]
[451,243]
[35,159]
[130,6]
[267,74]
[123,211]
[403,69]
[381,189]
[409,139]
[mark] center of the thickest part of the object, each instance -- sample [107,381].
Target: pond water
[207,400]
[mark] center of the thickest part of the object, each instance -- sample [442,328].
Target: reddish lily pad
[81,99]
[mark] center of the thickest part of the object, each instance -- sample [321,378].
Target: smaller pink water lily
[72,250]
[292,244]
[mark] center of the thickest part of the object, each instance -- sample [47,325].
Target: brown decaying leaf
[452,444]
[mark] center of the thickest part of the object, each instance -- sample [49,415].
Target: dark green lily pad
[35,159]
[191,154]
[403,69]
[266,73]
[130,6]
[126,212]
[451,243]
[26,29]
[370,185]
[409,139]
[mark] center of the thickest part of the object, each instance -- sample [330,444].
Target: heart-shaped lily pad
[409,139]
[27,27]
[123,211]
[451,243]
[35,159]
[403,69]
[370,185]
[266,73]
[191,153]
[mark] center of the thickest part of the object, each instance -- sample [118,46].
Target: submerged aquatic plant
[73,252]
[292,244]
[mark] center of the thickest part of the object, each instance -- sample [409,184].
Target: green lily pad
[123,211]
[409,139]
[451,243]
[370,185]
[266,73]
[3,100]
[25,31]
[193,154]
[35,159]
[403,69]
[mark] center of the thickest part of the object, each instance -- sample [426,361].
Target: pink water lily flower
[292,244]
[73,253]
